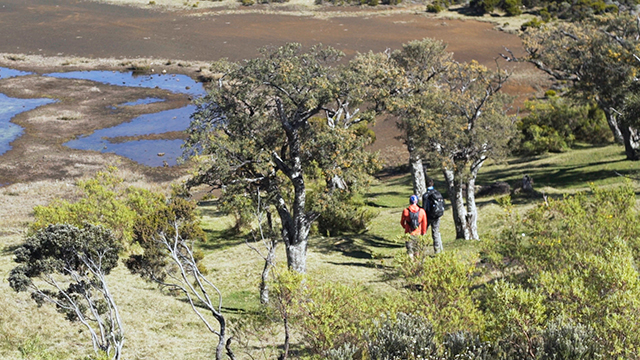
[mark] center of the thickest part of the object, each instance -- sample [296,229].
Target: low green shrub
[102,200]
[435,7]
[554,124]
[442,289]
[575,258]
[405,337]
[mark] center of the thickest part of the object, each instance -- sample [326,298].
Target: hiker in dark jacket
[433,204]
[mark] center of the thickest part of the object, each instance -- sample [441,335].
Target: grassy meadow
[159,326]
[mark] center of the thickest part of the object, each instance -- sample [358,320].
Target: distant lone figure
[414,222]
[433,205]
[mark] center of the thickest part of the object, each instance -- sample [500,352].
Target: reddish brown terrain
[43,36]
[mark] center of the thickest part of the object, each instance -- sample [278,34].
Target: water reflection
[143,151]
[9,73]
[10,107]
[174,83]
[142,102]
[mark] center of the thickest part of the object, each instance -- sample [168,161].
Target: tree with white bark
[285,123]
[459,122]
[422,62]
[68,266]
[169,259]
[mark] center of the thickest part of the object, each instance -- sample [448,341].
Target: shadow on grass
[9,249]
[354,246]
[220,239]
[556,176]
[225,309]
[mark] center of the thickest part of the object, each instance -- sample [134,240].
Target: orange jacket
[405,221]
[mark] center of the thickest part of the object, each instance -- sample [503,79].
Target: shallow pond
[142,102]
[144,151]
[10,107]
[8,73]
[171,82]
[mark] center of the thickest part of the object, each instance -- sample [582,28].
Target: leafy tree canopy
[285,122]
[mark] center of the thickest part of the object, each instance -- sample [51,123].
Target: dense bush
[341,214]
[510,7]
[405,337]
[435,7]
[333,314]
[574,259]
[103,200]
[442,286]
[554,124]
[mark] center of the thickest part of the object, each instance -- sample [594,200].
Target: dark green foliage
[406,337]
[483,6]
[555,124]
[64,249]
[341,214]
[435,7]
[67,266]
[512,7]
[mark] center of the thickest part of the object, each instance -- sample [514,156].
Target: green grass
[566,172]
[160,326]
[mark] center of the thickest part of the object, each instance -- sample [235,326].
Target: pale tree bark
[200,293]
[612,120]
[417,170]
[472,210]
[631,139]
[454,188]
[296,222]
[270,243]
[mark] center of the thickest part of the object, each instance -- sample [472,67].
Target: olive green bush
[554,124]
[442,289]
[575,259]
[336,314]
[102,200]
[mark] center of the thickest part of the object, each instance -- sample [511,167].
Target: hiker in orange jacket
[406,220]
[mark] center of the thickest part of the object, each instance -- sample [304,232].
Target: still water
[143,151]
[10,107]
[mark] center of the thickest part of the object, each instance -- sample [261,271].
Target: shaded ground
[70,35]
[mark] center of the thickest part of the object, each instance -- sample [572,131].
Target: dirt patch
[62,35]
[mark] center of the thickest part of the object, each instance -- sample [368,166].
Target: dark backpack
[415,219]
[434,204]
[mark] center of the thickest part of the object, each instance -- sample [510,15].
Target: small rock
[160,154]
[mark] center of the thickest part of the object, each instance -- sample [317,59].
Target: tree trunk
[221,338]
[631,138]
[612,120]
[417,172]
[472,210]
[297,256]
[268,264]
[454,188]
[296,223]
